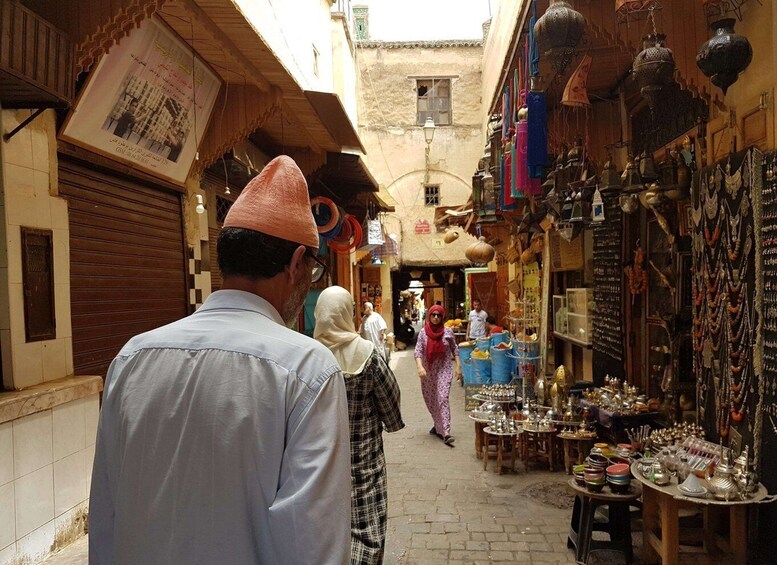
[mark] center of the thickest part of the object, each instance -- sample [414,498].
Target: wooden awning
[32,76]
[346,173]
[286,116]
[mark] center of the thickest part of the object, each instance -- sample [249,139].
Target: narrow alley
[443,507]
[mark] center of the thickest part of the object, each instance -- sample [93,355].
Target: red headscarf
[434,344]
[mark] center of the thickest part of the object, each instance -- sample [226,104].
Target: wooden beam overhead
[230,49]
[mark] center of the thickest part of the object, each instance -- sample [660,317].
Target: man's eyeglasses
[318,269]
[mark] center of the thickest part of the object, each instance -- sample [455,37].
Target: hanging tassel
[509,201]
[537,147]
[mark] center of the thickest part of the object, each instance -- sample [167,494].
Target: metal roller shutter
[127,262]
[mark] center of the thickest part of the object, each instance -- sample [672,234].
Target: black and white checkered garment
[373,405]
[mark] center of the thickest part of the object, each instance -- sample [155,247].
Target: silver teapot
[745,479]
[721,483]
[659,474]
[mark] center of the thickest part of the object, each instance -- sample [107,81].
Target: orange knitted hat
[276,203]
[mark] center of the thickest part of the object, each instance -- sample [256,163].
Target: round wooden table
[575,447]
[502,450]
[618,524]
[480,423]
[660,508]
[539,445]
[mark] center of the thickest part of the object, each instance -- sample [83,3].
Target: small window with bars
[222,207]
[432,195]
[434,101]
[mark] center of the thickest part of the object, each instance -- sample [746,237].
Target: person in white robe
[373,328]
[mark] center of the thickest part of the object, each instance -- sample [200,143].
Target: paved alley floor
[444,508]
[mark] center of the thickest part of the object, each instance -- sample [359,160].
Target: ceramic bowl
[619,480]
[580,480]
[578,469]
[617,460]
[618,469]
[594,487]
[598,460]
[619,488]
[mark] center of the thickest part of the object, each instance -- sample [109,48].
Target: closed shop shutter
[127,263]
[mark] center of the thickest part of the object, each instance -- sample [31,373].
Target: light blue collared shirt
[223,438]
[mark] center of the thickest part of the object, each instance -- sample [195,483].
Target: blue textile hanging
[534,53]
[537,150]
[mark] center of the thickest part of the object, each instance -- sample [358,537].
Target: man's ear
[298,263]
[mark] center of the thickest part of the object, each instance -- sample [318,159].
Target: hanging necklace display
[711,206]
[733,180]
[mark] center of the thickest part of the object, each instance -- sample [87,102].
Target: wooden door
[483,287]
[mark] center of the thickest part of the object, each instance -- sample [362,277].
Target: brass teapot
[744,478]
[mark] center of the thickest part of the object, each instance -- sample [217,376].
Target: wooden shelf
[572,340]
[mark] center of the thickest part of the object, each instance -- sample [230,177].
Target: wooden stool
[506,447]
[618,524]
[575,449]
[539,446]
[479,439]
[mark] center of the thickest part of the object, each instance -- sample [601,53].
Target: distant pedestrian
[435,352]
[373,406]
[373,328]
[223,437]
[477,321]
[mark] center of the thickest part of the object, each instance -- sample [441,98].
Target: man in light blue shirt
[223,437]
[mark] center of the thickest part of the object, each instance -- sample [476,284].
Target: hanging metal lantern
[647,167]
[653,68]
[629,203]
[559,31]
[724,55]
[611,180]
[667,170]
[597,207]
[627,10]
[630,179]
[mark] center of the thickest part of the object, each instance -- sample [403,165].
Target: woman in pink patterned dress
[435,351]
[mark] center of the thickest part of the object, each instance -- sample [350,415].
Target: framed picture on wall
[684,218]
[147,103]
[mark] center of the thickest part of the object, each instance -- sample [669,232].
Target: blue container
[481,371]
[465,352]
[483,343]
[503,337]
[502,366]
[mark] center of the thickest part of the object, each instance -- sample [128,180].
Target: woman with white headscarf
[373,405]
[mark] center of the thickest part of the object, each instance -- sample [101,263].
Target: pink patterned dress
[437,385]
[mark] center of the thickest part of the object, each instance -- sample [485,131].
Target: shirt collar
[241,300]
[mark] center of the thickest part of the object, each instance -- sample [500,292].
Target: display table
[501,440]
[576,449]
[613,426]
[538,445]
[618,526]
[660,507]
[480,423]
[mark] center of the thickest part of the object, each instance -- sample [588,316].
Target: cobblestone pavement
[444,508]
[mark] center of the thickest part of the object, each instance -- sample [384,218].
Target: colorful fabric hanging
[534,52]
[509,168]
[537,150]
[522,170]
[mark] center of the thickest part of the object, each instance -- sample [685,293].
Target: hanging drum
[724,55]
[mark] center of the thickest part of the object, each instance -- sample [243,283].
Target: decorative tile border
[37,398]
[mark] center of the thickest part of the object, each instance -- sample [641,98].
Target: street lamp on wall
[429,128]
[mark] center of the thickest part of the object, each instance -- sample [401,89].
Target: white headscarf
[335,329]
